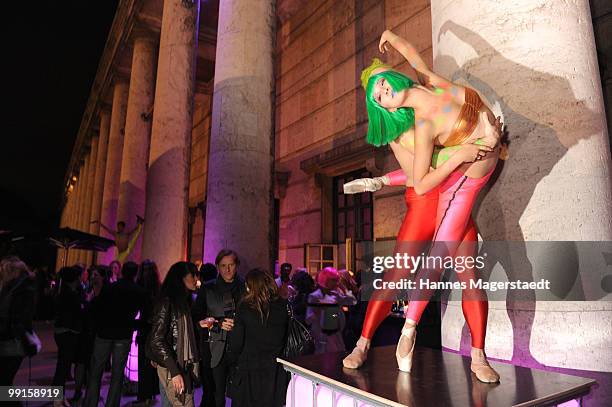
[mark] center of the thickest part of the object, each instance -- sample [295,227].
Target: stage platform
[438,378]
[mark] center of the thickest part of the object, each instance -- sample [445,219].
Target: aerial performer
[446,141]
[124,240]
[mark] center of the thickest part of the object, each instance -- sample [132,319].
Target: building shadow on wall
[535,148]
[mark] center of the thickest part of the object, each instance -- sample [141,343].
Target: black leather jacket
[164,335]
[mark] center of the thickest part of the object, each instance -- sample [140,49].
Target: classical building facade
[234,123]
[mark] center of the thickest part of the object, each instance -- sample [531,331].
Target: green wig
[385,126]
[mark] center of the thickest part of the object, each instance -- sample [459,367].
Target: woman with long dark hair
[258,338]
[171,344]
[148,278]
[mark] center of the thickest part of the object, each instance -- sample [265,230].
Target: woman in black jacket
[171,344]
[258,338]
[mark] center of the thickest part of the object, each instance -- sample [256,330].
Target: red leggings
[416,232]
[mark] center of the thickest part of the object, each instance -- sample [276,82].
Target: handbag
[299,340]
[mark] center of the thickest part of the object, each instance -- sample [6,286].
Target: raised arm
[409,52]
[132,232]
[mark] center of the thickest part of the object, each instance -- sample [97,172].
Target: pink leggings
[456,200]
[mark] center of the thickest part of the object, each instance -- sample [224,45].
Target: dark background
[50,55]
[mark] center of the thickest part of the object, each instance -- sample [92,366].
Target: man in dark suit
[218,299]
[115,318]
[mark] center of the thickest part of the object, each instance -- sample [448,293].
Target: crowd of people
[202,325]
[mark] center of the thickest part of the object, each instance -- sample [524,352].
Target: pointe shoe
[483,371]
[404,363]
[357,357]
[363,185]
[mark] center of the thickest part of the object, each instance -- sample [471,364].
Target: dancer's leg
[122,256]
[417,229]
[477,309]
[473,301]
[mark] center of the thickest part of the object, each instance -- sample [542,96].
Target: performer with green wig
[447,142]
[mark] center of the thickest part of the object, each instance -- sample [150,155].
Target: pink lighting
[131,367]
[300,392]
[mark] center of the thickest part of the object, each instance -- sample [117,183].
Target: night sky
[50,53]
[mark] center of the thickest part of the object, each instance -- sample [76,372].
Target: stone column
[74,217]
[133,178]
[113,166]
[91,178]
[78,209]
[238,204]
[83,223]
[70,206]
[168,178]
[98,190]
[535,62]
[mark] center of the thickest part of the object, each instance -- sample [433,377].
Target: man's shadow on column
[534,149]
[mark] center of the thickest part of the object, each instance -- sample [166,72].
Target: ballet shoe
[357,357]
[404,363]
[483,371]
[363,185]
